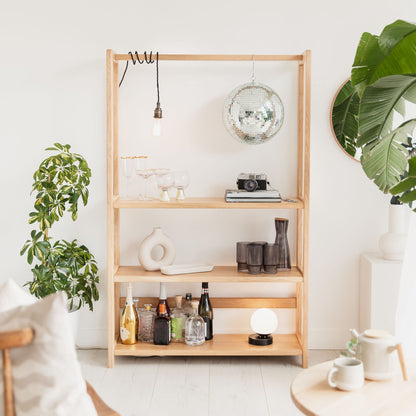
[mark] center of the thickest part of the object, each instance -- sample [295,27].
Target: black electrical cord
[157,76]
[136,59]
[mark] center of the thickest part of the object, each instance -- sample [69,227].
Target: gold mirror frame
[343,141]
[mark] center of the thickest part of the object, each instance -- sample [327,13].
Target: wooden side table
[312,395]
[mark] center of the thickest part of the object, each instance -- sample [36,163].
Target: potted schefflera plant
[60,183]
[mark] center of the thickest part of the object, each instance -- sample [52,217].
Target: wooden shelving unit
[222,344]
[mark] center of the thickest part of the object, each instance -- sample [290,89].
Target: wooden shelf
[220,274]
[221,344]
[206,203]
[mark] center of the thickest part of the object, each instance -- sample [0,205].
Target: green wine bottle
[205,311]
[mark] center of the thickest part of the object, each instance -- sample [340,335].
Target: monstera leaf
[344,118]
[391,53]
[385,160]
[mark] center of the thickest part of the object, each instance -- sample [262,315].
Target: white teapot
[374,348]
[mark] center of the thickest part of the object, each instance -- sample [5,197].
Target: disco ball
[253,113]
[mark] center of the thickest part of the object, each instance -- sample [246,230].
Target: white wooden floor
[205,386]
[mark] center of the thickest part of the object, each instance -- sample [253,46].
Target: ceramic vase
[283,255]
[156,238]
[393,243]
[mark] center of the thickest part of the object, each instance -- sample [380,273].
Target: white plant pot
[73,319]
[157,238]
[393,243]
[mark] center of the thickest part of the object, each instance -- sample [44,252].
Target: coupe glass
[145,173]
[164,182]
[181,182]
[127,169]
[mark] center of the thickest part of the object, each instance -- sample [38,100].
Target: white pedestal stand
[379,292]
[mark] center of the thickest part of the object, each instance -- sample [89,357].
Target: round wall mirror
[253,113]
[345,107]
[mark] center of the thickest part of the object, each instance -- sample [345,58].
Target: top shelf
[206,203]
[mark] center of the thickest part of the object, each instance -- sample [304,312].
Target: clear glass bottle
[147,323]
[194,327]
[187,306]
[177,319]
[205,311]
[129,320]
[161,334]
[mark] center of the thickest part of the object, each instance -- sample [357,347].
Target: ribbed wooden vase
[283,255]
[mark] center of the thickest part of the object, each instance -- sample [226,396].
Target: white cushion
[12,295]
[47,378]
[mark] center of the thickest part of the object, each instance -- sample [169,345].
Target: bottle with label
[206,312]
[177,320]
[163,300]
[147,322]
[187,306]
[194,327]
[129,320]
[161,335]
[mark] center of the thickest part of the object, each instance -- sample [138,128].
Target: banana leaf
[385,160]
[391,53]
[407,187]
[378,103]
[344,118]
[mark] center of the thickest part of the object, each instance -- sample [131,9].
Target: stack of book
[237,195]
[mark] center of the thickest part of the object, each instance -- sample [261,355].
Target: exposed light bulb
[157,127]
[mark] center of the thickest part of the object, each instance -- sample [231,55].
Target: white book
[240,193]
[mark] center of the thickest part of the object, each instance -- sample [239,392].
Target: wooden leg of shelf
[299,310]
[305,358]
[117,308]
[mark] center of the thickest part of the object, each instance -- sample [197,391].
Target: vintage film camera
[252,182]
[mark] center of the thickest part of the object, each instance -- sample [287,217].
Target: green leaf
[407,187]
[385,160]
[378,103]
[344,118]
[392,53]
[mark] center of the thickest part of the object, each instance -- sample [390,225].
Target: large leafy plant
[384,79]
[60,183]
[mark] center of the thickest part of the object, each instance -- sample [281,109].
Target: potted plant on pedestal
[60,182]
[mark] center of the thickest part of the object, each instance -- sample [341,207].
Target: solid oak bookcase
[223,344]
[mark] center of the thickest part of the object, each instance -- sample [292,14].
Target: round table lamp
[263,322]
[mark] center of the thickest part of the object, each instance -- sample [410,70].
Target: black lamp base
[256,339]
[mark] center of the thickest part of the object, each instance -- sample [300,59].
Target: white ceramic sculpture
[157,238]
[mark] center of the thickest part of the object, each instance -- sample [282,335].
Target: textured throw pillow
[47,378]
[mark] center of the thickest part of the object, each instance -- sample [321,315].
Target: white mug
[346,374]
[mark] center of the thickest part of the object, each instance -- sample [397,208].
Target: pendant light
[157,117]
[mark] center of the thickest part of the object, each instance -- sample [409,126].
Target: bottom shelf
[221,344]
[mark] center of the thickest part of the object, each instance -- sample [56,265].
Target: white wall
[52,88]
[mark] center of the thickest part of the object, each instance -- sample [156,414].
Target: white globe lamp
[263,322]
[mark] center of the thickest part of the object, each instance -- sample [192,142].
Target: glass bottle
[163,300]
[147,322]
[187,306]
[177,320]
[194,327]
[161,335]
[205,311]
[129,320]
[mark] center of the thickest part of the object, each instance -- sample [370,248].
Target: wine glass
[181,181]
[145,173]
[164,182]
[127,168]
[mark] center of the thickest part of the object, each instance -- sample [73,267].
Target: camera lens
[250,185]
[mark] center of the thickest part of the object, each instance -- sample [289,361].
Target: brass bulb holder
[158,111]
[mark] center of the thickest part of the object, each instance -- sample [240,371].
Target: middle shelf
[220,274]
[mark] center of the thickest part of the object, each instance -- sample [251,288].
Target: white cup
[346,374]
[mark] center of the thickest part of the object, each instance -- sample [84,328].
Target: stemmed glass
[127,168]
[164,182]
[181,181]
[144,172]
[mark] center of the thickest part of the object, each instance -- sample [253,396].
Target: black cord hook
[136,59]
